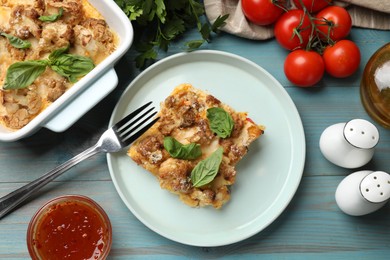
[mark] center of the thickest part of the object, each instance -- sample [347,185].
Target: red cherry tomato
[261,12]
[289,25]
[342,59]
[334,21]
[304,68]
[312,6]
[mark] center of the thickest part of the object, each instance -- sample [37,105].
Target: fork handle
[9,202]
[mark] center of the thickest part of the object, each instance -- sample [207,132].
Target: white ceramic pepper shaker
[363,192]
[350,144]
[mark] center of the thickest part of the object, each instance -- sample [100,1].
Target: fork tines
[134,125]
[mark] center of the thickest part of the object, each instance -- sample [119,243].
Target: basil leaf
[72,66]
[53,17]
[24,73]
[221,123]
[206,170]
[17,42]
[178,150]
[57,53]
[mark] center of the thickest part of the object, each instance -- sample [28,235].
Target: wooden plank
[312,226]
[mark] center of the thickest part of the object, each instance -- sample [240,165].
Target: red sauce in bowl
[69,227]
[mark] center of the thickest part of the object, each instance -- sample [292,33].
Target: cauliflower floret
[92,38]
[174,175]
[51,87]
[73,10]
[55,35]
[21,106]
[24,22]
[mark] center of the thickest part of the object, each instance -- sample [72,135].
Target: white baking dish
[87,92]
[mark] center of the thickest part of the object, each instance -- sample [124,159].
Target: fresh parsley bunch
[158,22]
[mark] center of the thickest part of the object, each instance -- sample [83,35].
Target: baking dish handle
[78,106]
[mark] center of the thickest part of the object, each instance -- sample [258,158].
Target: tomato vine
[314,30]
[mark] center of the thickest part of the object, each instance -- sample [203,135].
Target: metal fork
[112,140]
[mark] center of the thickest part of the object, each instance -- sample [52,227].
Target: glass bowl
[375,86]
[69,227]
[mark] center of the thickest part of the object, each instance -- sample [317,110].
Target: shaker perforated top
[361,133]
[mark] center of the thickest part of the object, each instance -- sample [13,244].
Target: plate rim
[300,131]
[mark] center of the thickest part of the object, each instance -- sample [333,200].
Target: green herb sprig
[159,22]
[220,121]
[206,170]
[23,74]
[53,17]
[68,65]
[16,42]
[178,150]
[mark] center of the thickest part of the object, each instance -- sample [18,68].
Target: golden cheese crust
[183,117]
[80,27]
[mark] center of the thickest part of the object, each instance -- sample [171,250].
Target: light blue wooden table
[312,226]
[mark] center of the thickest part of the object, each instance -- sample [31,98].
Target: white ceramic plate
[268,176]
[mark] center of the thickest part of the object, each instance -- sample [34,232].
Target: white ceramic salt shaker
[350,144]
[363,192]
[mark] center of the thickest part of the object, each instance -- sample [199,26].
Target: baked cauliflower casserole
[195,146]
[45,47]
